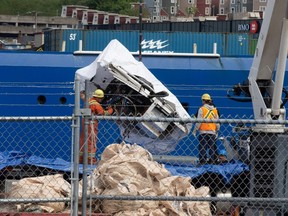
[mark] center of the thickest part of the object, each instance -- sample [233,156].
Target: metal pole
[280,73]
[85,152]
[140,30]
[75,155]
[36,17]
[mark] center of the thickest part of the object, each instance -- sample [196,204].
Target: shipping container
[155,42]
[158,27]
[253,39]
[98,40]
[236,45]
[224,26]
[62,40]
[244,26]
[185,26]
[228,44]
[214,26]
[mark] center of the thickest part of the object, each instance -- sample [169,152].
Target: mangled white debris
[133,90]
[126,169]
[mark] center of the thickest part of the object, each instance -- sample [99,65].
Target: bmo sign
[251,27]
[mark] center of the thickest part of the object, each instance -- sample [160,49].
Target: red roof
[180,13]
[163,12]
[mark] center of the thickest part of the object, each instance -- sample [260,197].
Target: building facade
[178,10]
[259,5]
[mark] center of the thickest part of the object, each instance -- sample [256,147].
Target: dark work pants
[207,142]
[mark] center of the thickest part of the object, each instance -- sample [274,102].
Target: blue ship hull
[52,75]
[27,77]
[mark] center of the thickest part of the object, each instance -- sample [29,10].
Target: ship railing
[195,53]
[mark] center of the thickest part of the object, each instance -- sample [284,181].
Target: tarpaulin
[227,171]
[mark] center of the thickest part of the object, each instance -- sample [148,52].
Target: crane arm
[271,48]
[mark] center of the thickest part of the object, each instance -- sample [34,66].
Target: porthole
[63,100]
[41,99]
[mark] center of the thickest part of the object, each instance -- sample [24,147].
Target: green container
[253,39]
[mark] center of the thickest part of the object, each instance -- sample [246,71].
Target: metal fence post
[75,150]
[85,152]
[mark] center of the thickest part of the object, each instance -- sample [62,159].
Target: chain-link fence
[248,176]
[142,165]
[35,155]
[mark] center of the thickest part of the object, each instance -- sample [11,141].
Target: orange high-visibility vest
[208,114]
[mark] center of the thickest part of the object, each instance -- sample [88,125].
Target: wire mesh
[248,177]
[35,156]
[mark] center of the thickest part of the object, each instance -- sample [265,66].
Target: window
[262,0]
[232,10]
[156,2]
[221,10]
[262,8]
[232,1]
[173,1]
[244,9]
[222,2]
[190,1]
[207,1]
[172,10]
[244,1]
[207,11]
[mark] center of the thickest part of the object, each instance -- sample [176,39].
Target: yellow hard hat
[98,93]
[206,97]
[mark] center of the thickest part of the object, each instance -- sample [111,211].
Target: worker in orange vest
[208,132]
[96,109]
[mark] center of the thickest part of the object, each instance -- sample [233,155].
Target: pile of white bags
[128,170]
[46,187]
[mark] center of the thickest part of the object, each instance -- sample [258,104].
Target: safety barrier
[35,168]
[248,177]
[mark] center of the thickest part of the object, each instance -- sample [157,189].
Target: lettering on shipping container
[154,44]
[72,36]
[243,27]
[150,51]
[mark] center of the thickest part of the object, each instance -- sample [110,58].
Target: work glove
[110,110]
